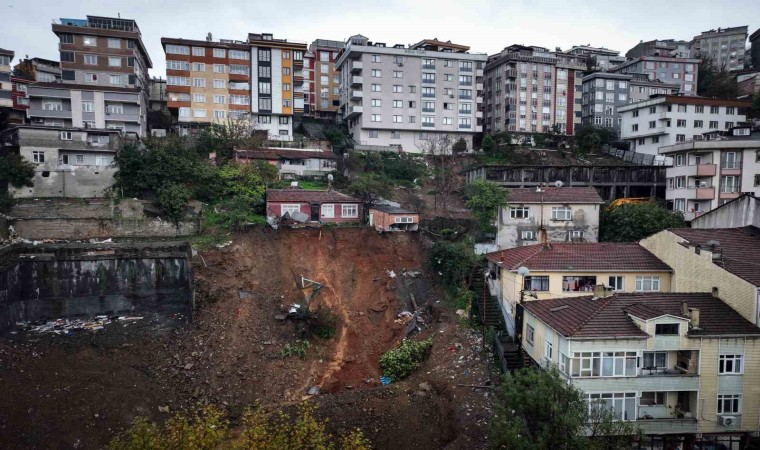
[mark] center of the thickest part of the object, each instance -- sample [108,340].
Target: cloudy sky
[484,25]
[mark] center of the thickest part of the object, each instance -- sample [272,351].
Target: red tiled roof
[276,153]
[302,195]
[739,247]
[564,195]
[589,317]
[580,257]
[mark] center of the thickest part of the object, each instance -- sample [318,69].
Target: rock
[163,409]
[314,390]
[189,366]
[280,317]
[425,386]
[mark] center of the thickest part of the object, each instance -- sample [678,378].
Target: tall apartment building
[713,170]
[660,47]
[276,83]
[39,69]
[681,71]
[206,81]
[604,93]
[104,72]
[725,46]
[754,42]
[406,97]
[321,86]
[530,89]
[20,97]
[669,119]
[598,58]
[6,56]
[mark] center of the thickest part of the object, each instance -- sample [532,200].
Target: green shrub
[399,363]
[298,348]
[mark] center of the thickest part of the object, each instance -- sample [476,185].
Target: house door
[371,219]
[315,212]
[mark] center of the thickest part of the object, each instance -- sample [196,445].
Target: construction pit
[80,389]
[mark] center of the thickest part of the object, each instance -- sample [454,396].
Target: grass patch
[399,363]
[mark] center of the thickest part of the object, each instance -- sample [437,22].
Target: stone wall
[51,281]
[98,218]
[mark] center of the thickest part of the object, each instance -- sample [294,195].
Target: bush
[453,261]
[399,363]
[459,146]
[299,348]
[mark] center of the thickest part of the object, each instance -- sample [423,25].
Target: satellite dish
[523,271]
[329,177]
[713,243]
[558,184]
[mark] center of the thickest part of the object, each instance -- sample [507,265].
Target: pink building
[305,206]
[390,218]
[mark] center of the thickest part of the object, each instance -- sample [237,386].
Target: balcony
[479,128]
[478,72]
[478,99]
[428,124]
[353,111]
[357,67]
[706,170]
[465,69]
[512,73]
[356,95]
[479,86]
[356,81]
[428,94]
[428,66]
[463,97]
[479,114]
[428,81]
[705,193]
[465,126]
[667,425]
[428,110]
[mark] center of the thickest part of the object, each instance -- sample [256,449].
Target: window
[289,209]
[530,335]
[241,100]
[412,119]
[698,124]
[395,134]
[635,127]
[199,113]
[199,98]
[286,70]
[90,41]
[562,213]
[286,103]
[38,156]
[398,89]
[199,82]
[114,61]
[729,125]
[286,87]
[681,123]
[528,235]
[219,53]
[376,88]
[285,55]
[465,122]
[608,364]
[178,49]
[729,403]
[714,124]
[680,137]
[184,112]
[373,133]
[655,360]
[666,329]
[548,349]
[116,108]
[680,159]
[616,283]
[377,73]
[284,120]
[377,118]
[376,58]
[349,211]
[328,211]
[218,84]
[239,69]
[265,87]
[265,119]
[730,364]
[465,66]
[652,123]
[636,113]
[52,105]
[218,68]
[730,110]
[66,38]
[536,283]
[655,139]
[65,135]
[376,102]
[578,283]
[175,65]
[398,103]
[90,59]
[264,103]
[652,399]
[114,43]
[465,108]
[715,110]
[219,99]
[199,51]
[647,283]
[398,119]
[88,106]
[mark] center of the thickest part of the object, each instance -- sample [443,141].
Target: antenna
[558,184]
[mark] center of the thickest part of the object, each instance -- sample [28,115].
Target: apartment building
[20,97]
[39,69]
[276,83]
[549,214]
[598,58]
[754,56]
[660,47]
[742,211]
[681,367]
[206,81]
[666,120]
[530,89]
[6,56]
[680,71]
[724,46]
[604,93]
[321,86]
[713,170]
[410,97]
[104,70]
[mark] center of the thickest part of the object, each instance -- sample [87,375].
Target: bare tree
[438,151]
[224,137]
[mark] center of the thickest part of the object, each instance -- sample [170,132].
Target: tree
[224,138]
[459,146]
[484,198]
[714,79]
[438,150]
[487,145]
[453,261]
[14,171]
[538,409]
[755,112]
[633,222]
[590,138]
[370,188]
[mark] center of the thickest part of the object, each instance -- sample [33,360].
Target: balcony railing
[428,110]
[428,66]
[729,188]
[428,124]
[731,165]
[429,95]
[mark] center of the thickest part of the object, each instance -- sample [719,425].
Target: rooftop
[685,100]
[302,195]
[610,317]
[276,153]
[580,257]
[5,52]
[223,43]
[564,195]
[393,209]
[84,87]
[738,247]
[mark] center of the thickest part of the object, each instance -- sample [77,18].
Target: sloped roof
[303,195]
[739,247]
[564,195]
[276,153]
[393,209]
[580,257]
[589,317]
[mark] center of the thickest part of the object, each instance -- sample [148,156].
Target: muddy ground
[79,391]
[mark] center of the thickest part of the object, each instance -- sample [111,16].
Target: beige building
[720,259]
[682,367]
[571,270]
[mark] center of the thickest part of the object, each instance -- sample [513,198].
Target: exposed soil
[78,391]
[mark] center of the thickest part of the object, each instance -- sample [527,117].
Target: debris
[475,386]
[314,390]
[461,313]
[245,294]
[67,326]
[280,317]
[189,366]
[385,380]
[391,273]
[411,273]
[163,409]
[225,244]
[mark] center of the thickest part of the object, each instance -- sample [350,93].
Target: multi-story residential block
[666,120]
[724,46]
[598,58]
[410,98]
[604,93]
[567,270]
[754,52]
[680,71]
[743,211]
[549,214]
[321,86]
[207,81]
[6,56]
[104,70]
[276,83]
[660,47]
[713,170]
[682,367]
[20,96]
[69,162]
[530,89]
[157,96]
[39,69]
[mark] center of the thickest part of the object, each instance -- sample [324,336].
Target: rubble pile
[67,326]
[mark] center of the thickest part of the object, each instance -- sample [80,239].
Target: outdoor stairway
[491,315]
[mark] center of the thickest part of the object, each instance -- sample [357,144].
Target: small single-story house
[293,163]
[391,218]
[304,206]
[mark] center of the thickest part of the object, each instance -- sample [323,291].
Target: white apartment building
[669,119]
[405,97]
[710,172]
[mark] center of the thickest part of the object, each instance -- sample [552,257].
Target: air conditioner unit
[38,120]
[727,421]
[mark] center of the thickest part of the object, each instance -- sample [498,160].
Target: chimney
[543,237]
[684,309]
[715,292]
[601,291]
[694,315]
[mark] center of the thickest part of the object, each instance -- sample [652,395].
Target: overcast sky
[484,25]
